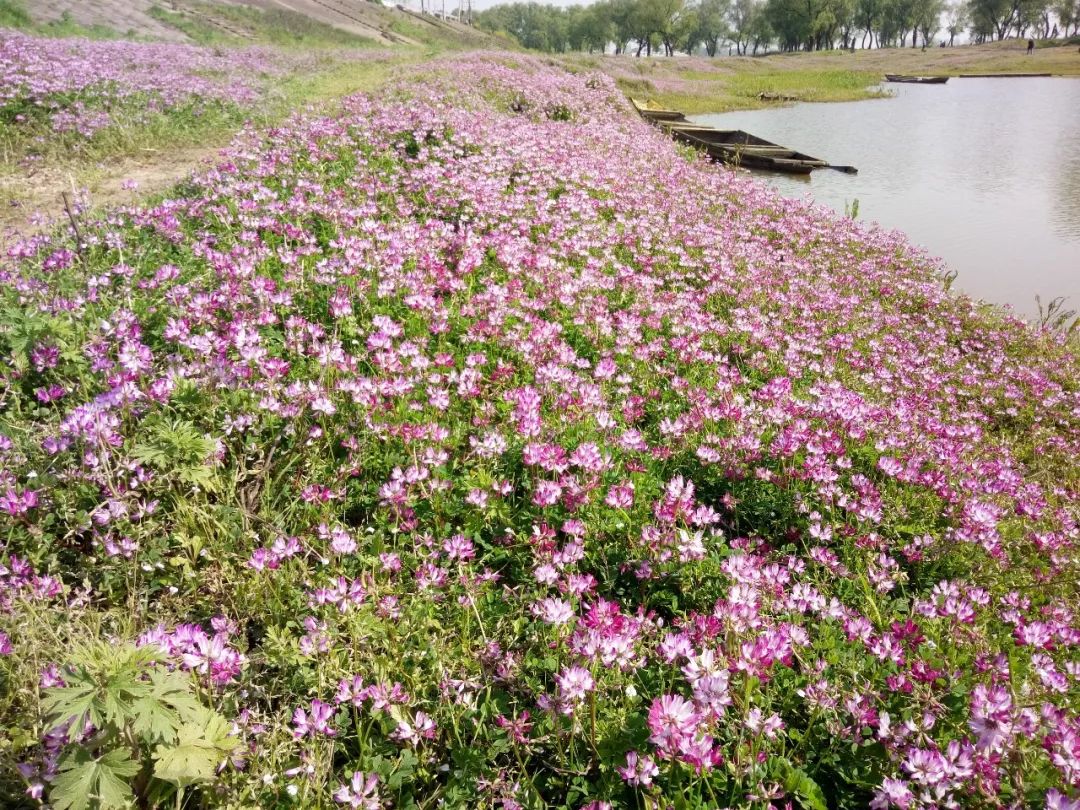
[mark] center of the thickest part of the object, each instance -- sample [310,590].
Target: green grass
[13,14]
[166,144]
[810,85]
[133,131]
[741,91]
[281,27]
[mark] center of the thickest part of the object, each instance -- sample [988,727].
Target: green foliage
[178,448]
[133,703]
[200,746]
[84,781]
[14,15]
[799,784]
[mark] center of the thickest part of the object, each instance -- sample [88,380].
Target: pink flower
[767,727]
[672,720]
[361,793]
[459,547]
[546,493]
[620,496]
[315,721]
[574,683]
[554,611]
[892,793]
[639,770]
[422,727]
[18,503]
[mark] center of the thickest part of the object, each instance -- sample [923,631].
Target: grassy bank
[62,132]
[698,85]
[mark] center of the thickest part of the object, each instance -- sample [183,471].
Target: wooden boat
[897,77]
[651,112]
[733,146]
[739,148]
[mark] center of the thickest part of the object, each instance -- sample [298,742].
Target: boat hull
[738,148]
[892,77]
[733,147]
[650,113]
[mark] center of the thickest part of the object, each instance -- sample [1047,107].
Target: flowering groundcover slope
[69,89]
[476,448]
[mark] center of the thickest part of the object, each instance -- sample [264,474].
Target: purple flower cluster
[77,83]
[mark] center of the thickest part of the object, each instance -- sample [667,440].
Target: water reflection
[982,172]
[1067,189]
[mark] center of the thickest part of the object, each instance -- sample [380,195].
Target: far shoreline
[701,85]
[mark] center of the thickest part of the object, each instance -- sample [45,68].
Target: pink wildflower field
[475,447]
[71,89]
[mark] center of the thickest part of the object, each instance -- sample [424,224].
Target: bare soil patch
[35,199]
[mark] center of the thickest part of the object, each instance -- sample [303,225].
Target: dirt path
[32,201]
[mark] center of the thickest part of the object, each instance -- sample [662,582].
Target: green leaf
[405,769]
[200,747]
[73,786]
[77,703]
[799,782]
[82,780]
[167,704]
[154,721]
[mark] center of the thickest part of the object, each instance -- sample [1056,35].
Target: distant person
[1031,46]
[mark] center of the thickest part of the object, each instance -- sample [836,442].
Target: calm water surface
[984,173]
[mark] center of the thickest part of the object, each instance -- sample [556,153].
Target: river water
[984,173]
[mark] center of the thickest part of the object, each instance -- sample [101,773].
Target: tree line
[756,26]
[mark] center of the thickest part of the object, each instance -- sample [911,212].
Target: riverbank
[135,144]
[472,445]
[701,85]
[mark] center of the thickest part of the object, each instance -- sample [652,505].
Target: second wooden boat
[651,112]
[898,77]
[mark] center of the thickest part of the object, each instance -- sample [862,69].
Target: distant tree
[956,19]
[742,15]
[983,16]
[792,21]
[869,14]
[712,23]
[1068,13]
[899,19]
[927,18]
[844,13]
[620,13]
[761,32]
[535,26]
[590,27]
[687,30]
[1033,15]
